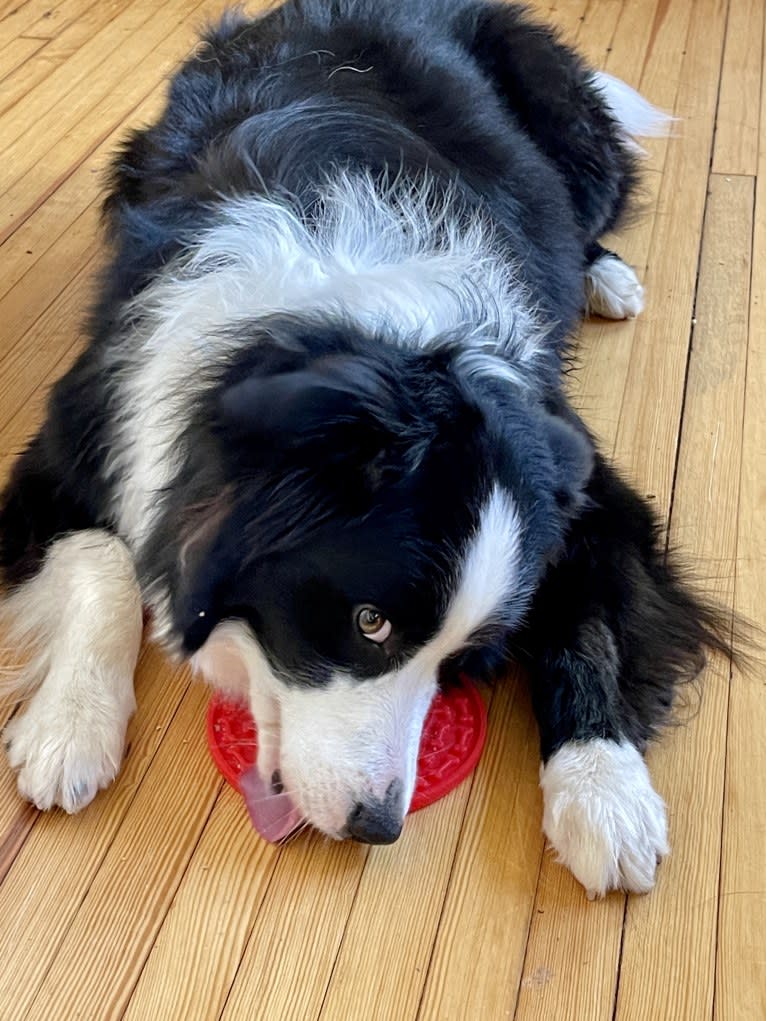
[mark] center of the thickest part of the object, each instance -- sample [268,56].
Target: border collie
[319,429]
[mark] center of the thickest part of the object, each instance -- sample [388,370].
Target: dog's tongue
[273,815]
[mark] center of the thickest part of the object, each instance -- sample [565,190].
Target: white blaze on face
[345,742]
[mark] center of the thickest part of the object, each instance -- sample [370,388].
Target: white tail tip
[636,115]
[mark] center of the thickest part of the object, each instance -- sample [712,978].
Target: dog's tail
[635,115]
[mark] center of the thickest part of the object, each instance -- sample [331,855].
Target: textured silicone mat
[451,744]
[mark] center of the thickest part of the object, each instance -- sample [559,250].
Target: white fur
[234,662]
[83,612]
[387,258]
[612,289]
[602,815]
[346,741]
[636,115]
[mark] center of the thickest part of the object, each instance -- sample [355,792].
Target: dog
[319,429]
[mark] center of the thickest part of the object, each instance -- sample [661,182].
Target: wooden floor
[159,901]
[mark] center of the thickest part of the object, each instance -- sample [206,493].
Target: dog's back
[276,106]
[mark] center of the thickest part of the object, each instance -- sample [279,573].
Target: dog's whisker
[270,796]
[288,838]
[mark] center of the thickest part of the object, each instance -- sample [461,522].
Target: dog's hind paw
[612,289]
[603,816]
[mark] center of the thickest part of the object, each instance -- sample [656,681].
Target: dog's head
[378,517]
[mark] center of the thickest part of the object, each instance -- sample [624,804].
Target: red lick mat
[451,744]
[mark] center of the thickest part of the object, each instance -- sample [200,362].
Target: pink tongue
[273,815]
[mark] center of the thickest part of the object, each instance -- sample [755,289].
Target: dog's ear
[205,559]
[550,446]
[341,409]
[552,458]
[573,455]
[290,408]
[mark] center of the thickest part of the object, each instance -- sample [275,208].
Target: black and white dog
[319,429]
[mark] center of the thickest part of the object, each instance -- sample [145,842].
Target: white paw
[612,289]
[67,745]
[603,816]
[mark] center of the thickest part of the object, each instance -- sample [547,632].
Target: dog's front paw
[64,747]
[603,816]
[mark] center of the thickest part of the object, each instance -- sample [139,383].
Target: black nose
[378,822]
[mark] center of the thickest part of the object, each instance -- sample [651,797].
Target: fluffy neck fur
[402,259]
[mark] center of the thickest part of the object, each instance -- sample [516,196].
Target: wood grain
[53,49]
[741,957]
[52,873]
[479,951]
[736,135]
[41,154]
[397,959]
[108,941]
[289,959]
[209,921]
[688,767]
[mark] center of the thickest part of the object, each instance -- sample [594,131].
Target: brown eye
[373,624]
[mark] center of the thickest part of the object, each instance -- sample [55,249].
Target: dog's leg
[601,813]
[612,289]
[82,611]
[611,633]
[561,104]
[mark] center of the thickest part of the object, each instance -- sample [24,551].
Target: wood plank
[741,958]
[597,30]
[113,62]
[654,390]
[673,931]
[48,280]
[418,866]
[16,17]
[578,969]
[566,15]
[13,56]
[490,897]
[53,871]
[62,209]
[80,67]
[106,945]
[117,102]
[646,52]
[55,19]
[290,956]
[573,952]
[27,403]
[209,922]
[736,138]
[54,51]
[41,356]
